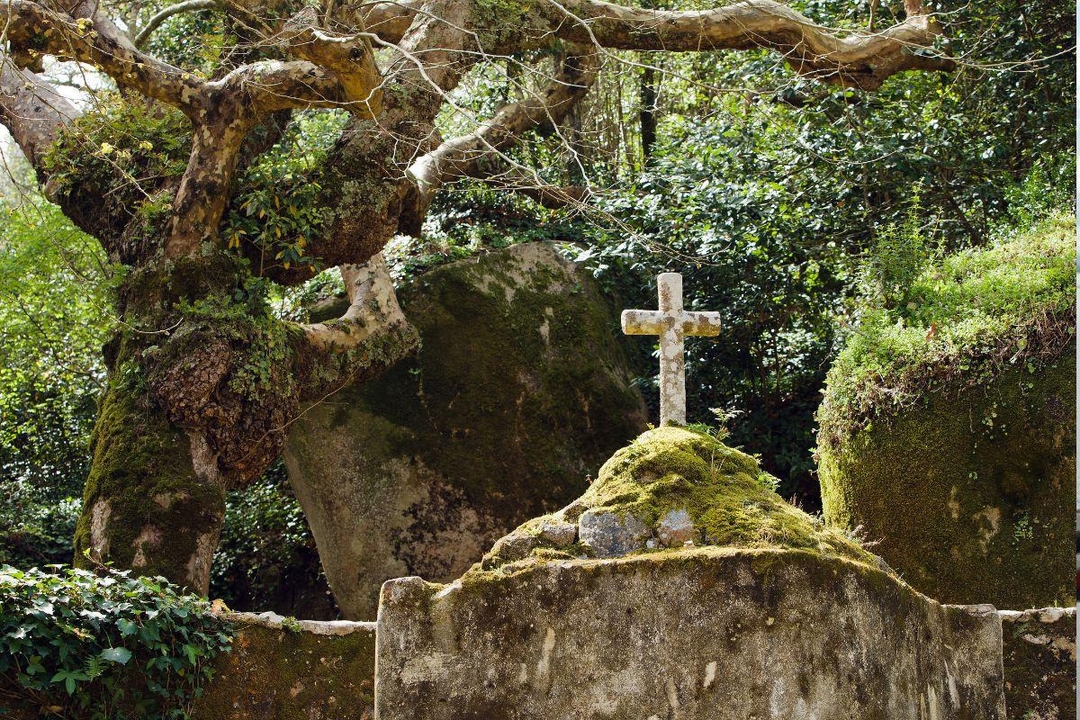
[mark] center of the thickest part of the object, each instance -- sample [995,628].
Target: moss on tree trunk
[146,506]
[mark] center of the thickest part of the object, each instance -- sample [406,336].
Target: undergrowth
[83,646]
[957,322]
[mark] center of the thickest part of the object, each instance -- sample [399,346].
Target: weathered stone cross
[672,324]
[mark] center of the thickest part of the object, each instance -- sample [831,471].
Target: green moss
[965,320]
[969,512]
[142,466]
[724,492]
[292,675]
[948,427]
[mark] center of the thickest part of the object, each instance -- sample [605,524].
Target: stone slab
[705,633]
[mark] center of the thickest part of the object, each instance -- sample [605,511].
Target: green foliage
[111,647]
[120,142]
[898,257]
[968,316]
[53,291]
[190,40]
[274,206]
[266,558]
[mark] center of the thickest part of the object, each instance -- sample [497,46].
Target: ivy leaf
[116,654]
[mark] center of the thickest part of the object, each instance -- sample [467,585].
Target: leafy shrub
[53,286]
[78,645]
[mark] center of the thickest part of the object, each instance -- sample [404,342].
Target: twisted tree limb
[472,155]
[34,29]
[859,59]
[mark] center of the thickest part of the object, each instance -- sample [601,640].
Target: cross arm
[702,324]
[642,322]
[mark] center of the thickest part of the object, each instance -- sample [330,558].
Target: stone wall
[1040,663]
[681,586]
[284,669]
[700,634]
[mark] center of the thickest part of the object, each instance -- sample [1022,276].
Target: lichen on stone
[669,489]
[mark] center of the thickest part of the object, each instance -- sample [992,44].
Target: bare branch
[32,110]
[155,22]
[860,59]
[471,155]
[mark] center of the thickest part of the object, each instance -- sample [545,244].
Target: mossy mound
[669,489]
[949,434]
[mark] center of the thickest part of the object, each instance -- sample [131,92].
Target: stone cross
[672,324]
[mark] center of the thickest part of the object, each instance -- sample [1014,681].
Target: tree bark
[155,499]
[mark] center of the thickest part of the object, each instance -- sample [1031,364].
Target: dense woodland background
[789,206]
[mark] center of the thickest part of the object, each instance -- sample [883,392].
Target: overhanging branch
[859,59]
[33,30]
[472,155]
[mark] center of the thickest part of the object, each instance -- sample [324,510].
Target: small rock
[608,535]
[676,529]
[515,546]
[558,533]
[572,512]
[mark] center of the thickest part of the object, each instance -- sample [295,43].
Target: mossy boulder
[947,432]
[518,394]
[760,612]
[670,488]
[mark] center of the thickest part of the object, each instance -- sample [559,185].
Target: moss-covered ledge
[670,489]
[286,669]
[948,427]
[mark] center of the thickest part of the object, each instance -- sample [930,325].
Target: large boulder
[948,428]
[695,592]
[518,394]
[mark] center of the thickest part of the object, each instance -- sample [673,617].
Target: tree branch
[472,155]
[155,22]
[372,335]
[349,58]
[32,110]
[860,59]
[82,34]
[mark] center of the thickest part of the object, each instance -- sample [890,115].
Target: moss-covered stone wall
[284,669]
[970,495]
